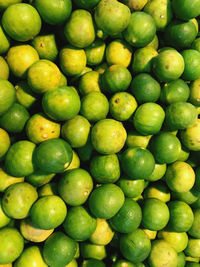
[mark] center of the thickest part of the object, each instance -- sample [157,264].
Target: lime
[135,246]
[162,253]
[181,216]
[6,3]
[5,143]
[105,168]
[136,139]
[72,263]
[75,163]
[193,248]
[158,172]
[111,16]
[196,44]
[19,159]
[105,201]
[79,224]
[89,82]
[180,177]
[108,136]
[192,264]
[93,251]
[190,136]
[184,10]
[5,41]
[33,233]
[157,190]
[192,68]
[155,214]
[194,231]
[151,234]
[131,188]
[85,152]
[123,263]
[39,178]
[4,69]
[48,189]
[59,249]
[54,12]
[116,78]
[46,45]
[141,29]
[6,180]
[53,155]
[154,43]
[181,259]
[194,93]
[142,59]
[145,88]
[95,52]
[20,58]
[12,244]
[25,96]
[103,233]
[118,52]
[72,60]
[93,262]
[168,65]
[15,118]
[48,212]
[21,22]
[7,96]
[188,197]
[148,118]
[128,217]
[4,219]
[137,163]
[175,91]
[43,76]
[122,106]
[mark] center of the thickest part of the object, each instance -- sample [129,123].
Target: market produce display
[99,133]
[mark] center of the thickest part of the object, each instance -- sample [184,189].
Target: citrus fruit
[192,60]
[93,262]
[39,178]
[59,249]
[193,248]
[189,136]
[184,10]
[95,52]
[157,190]
[105,201]
[5,143]
[25,96]
[4,70]
[79,224]
[124,263]
[194,230]
[4,4]
[4,219]
[89,82]
[194,93]
[131,188]
[7,95]
[181,259]
[158,172]
[136,139]
[5,41]
[48,189]
[93,251]
[6,180]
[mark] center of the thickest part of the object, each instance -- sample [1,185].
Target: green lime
[192,264]
[62,103]
[4,219]
[178,241]
[180,115]
[20,58]
[48,189]
[196,44]
[46,45]
[194,93]
[76,131]
[157,190]
[6,3]
[39,128]
[155,214]
[48,212]
[59,249]
[5,41]
[175,91]
[105,201]
[118,52]
[85,152]
[180,34]
[4,69]
[12,245]
[15,118]
[190,137]
[136,139]
[7,96]
[39,178]
[162,254]
[63,80]
[180,177]
[89,82]
[43,75]
[158,172]
[131,188]
[25,96]
[193,248]
[19,159]
[148,118]
[165,147]
[75,186]
[154,43]
[194,231]
[141,29]
[95,52]
[135,246]
[181,259]
[142,59]
[145,88]
[93,262]
[123,263]
[188,197]
[54,12]
[18,199]
[168,65]
[21,22]
[192,64]
[72,263]
[116,78]
[108,136]
[111,16]
[93,251]
[75,163]
[137,163]
[72,60]
[160,11]
[184,10]
[5,143]
[79,224]
[128,217]
[105,168]
[184,154]
[6,180]
[103,233]
[122,106]
[53,155]
[86,4]
[181,216]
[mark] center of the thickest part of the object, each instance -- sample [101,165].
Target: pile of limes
[99,133]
